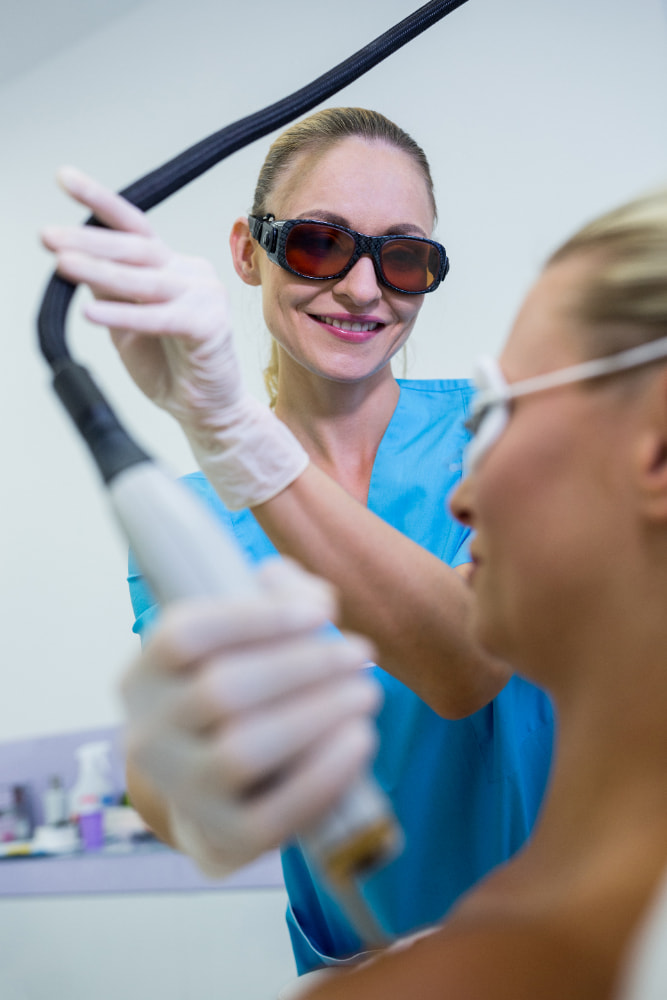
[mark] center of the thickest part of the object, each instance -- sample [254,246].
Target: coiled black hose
[76,389]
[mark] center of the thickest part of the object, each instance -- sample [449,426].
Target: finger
[259,748]
[193,630]
[107,206]
[192,318]
[151,318]
[109,278]
[171,759]
[127,248]
[261,677]
[128,318]
[315,786]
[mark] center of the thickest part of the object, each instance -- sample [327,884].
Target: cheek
[531,537]
[407,309]
[530,507]
[404,315]
[278,305]
[552,517]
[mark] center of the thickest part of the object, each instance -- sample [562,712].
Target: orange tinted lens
[317,250]
[412,265]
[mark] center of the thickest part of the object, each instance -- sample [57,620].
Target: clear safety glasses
[322,250]
[490,410]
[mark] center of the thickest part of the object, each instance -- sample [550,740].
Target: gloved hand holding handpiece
[249,723]
[169,320]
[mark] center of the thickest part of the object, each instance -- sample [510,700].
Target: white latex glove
[249,724]
[169,319]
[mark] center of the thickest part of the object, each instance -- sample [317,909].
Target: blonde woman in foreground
[567,495]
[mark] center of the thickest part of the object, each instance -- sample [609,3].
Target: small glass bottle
[22,813]
[55,803]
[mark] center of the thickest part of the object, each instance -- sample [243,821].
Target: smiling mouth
[348,325]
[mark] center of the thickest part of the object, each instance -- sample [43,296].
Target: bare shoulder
[497,958]
[530,931]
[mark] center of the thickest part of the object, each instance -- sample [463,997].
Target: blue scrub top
[466,792]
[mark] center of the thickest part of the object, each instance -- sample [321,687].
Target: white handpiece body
[184,552]
[181,549]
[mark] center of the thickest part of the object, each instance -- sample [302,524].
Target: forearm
[414,607]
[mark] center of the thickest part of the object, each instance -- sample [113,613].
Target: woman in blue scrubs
[464,746]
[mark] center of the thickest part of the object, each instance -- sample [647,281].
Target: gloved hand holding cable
[247,723]
[169,319]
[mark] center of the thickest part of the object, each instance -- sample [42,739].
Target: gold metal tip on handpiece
[355,838]
[371,847]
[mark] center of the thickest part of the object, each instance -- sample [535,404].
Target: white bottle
[91,791]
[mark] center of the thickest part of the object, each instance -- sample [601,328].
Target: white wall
[535,115]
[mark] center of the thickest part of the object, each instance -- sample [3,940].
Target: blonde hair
[623,301]
[318,133]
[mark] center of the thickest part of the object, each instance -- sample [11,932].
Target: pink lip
[351,336]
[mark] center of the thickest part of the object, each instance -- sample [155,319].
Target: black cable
[156,186]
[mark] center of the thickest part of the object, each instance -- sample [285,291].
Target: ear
[245,252]
[652,453]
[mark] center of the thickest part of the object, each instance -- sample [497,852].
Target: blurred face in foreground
[548,501]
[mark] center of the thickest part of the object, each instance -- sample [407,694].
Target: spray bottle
[91,793]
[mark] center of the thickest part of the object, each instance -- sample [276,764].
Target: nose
[360,284]
[461,502]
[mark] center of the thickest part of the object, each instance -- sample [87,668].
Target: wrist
[247,453]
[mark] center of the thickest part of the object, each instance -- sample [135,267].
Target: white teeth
[343,324]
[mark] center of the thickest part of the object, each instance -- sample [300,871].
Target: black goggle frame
[272,237]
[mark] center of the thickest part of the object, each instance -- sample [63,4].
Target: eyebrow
[401,229]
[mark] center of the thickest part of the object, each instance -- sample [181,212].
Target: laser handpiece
[184,552]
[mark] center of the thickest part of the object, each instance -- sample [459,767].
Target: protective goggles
[323,250]
[490,411]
